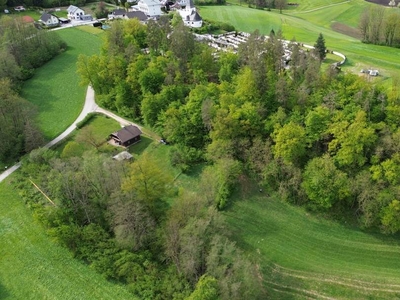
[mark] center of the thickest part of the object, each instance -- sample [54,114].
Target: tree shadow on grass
[140,147]
[3,292]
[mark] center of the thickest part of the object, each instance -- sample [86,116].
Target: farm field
[32,266]
[305,26]
[55,88]
[302,256]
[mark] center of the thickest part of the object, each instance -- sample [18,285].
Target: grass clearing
[99,128]
[309,256]
[90,29]
[32,266]
[55,88]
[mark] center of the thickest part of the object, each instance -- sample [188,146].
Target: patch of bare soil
[380,2]
[347,30]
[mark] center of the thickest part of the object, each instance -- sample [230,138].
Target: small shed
[64,20]
[124,155]
[127,136]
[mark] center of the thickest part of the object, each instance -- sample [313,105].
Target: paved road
[89,106]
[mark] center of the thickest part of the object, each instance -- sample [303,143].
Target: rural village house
[126,136]
[76,13]
[49,20]
[141,16]
[119,13]
[123,14]
[151,8]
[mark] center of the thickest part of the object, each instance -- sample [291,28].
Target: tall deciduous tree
[17,129]
[206,289]
[133,225]
[290,143]
[324,184]
[280,4]
[364,25]
[147,182]
[391,217]
[352,141]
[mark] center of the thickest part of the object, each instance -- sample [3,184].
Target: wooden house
[126,136]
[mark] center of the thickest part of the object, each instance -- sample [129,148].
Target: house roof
[119,12]
[141,16]
[127,133]
[195,17]
[151,2]
[45,17]
[72,8]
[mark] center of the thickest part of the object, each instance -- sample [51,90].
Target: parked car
[19,8]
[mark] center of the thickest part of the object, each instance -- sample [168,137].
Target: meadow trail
[319,8]
[353,283]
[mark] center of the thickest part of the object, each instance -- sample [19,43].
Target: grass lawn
[304,256]
[32,266]
[55,88]
[100,128]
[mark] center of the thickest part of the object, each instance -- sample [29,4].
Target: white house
[151,8]
[190,16]
[75,13]
[49,20]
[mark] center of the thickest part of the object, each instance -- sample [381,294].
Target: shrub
[82,123]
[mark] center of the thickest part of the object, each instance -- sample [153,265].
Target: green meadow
[32,266]
[303,256]
[55,88]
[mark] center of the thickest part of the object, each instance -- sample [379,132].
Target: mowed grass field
[304,25]
[55,88]
[302,256]
[32,266]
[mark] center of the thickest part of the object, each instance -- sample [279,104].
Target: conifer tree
[320,48]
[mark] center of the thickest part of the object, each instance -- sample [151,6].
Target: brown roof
[127,133]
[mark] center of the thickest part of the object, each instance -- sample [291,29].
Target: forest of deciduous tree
[380,26]
[295,131]
[326,140]
[23,48]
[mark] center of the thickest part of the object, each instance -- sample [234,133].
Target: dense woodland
[298,131]
[325,140]
[23,48]
[380,26]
